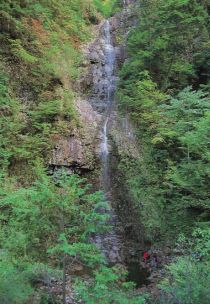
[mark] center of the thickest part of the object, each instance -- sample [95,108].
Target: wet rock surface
[95,79]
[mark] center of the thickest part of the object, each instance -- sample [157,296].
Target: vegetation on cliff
[40,57]
[47,221]
[164,88]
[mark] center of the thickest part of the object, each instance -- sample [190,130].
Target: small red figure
[146,256]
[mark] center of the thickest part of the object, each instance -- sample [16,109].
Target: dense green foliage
[46,222]
[107,287]
[161,88]
[164,88]
[53,209]
[39,64]
[188,283]
[62,217]
[172,43]
[14,286]
[107,7]
[188,278]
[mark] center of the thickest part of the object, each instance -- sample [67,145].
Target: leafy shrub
[107,288]
[189,282]
[14,285]
[20,52]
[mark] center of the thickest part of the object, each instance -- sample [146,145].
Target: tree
[182,114]
[168,36]
[106,287]
[15,287]
[189,282]
[62,216]
[184,123]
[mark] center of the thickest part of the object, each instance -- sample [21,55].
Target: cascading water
[123,242]
[108,242]
[110,58]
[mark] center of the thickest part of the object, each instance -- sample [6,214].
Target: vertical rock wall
[81,151]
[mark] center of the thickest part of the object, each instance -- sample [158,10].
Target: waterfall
[110,58]
[108,242]
[123,242]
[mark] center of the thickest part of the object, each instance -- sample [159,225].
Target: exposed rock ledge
[77,152]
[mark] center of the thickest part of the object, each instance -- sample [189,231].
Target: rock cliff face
[104,58]
[102,137]
[80,151]
[77,151]
[95,79]
[101,134]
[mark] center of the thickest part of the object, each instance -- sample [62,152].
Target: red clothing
[146,256]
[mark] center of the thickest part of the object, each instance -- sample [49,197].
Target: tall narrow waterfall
[109,77]
[108,242]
